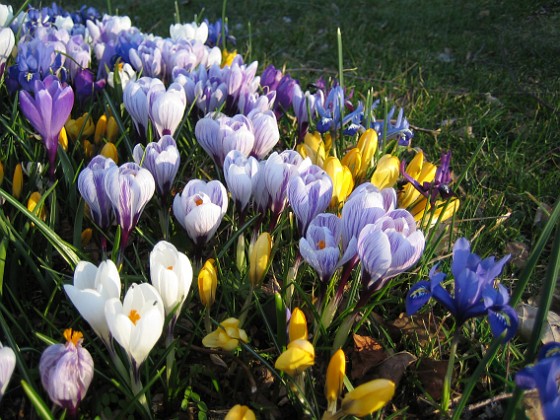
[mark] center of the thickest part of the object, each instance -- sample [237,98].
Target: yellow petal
[335,378]
[63,139]
[386,172]
[88,148]
[353,159]
[100,129]
[1,173]
[32,202]
[109,150]
[86,237]
[240,412]
[259,257]
[341,178]
[17,181]
[112,129]
[297,330]
[299,356]
[207,283]
[368,146]
[368,398]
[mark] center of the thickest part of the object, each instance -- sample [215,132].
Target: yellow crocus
[313,147]
[422,171]
[368,398]
[297,329]
[63,139]
[226,336]
[17,181]
[368,146]
[86,236]
[88,148]
[240,412]
[259,257]
[353,160]
[112,129]
[341,178]
[422,207]
[335,377]
[32,202]
[100,129]
[386,172]
[109,150]
[299,356]
[208,282]
[227,57]
[83,125]
[1,173]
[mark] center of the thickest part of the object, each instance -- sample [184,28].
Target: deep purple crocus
[474,293]
[47,110]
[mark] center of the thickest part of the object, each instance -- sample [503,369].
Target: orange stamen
[321,244]
[73,336]
[134,316]
[198,201]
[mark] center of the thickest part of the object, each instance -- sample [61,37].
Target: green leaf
[37,402]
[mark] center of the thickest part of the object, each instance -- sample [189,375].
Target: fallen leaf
[367,354]
[532,405]
[527,315]
[519,253]
[393,367]
[420,327]
[431,374]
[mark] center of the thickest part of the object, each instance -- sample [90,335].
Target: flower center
[170,267]
[134,316]
[73,336]
[198,201]
[321,244]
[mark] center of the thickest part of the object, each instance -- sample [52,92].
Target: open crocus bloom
[137,322]
[92,287]
[226,336]
[7,366]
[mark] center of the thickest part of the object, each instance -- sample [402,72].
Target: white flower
[189,31]
[7,42]
[7,365]
[92,287]
[136,323]
[166,108]
[126,74]
[171,274]
[239,172]
[6,15]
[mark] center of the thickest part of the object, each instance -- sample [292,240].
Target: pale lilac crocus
[7,366]
[265,130]
[47,110]
[135,99]
[199,208]
[162,159]
[309,193]
[166,108]
[66,371]
[129,188]
[7,43]
[239,172]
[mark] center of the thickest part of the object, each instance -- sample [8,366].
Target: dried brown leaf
[431,374]
[394,366]
[367,354]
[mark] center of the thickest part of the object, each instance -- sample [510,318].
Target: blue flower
[388,130]
[474,292]
[331,113]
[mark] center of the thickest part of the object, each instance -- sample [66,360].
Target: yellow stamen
[134,316]
[170,267]
[73,336]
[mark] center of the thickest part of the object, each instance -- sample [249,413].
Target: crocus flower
[7,42]
[297,329]
[265,130]
[166,108]
[342,180]
[189,31]
[92,287]
[171,274]
[129,188]
[136,323]
[305,108]
[240,412]
[299,355]
[367,144]
[475,293]
[66,371]
[47,111]
[7,366]
[239,172]
[314,148]
[17,181]
[208,282]
[226,336]
[82,126]
[334,379]
[368,398]
[259,258]
[386,172]
[419,170]
[200,207]
[92,188]
[135,99]
[162,159]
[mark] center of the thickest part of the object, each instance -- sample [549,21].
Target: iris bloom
[7,366]
[66,371]
[47,111]
[475,293]
[331,113]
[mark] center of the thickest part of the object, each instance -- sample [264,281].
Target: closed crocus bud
[259,257]
[100,129]
[32,202]
[208,282]
[88,149]
[92,287]
[1,173]
[441,211]
[297,330]
[226,336]
[299,356]
[66,371]
[63,139]
[368,146]
[171,274]
[240,412]
[353,159]
[109,150]
[335,378]
[313,147]
[386,172]
[80,127]
[422,171]
[166,108]
[7,365]
[368,398]
[17,181]
[341,178]
[265,129]
[112,129]
[86,236]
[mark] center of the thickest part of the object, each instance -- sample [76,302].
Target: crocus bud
[1,173]
[112,129]
[386,172]
[368,146]
[207,283]
[240,412]
[88,148]
[226,336]
[7,365]
[313,147]
[17,181]
[341,178]
[80,126]
[368,398]
[353,159]
[32,202]
[100,129]
[66,371]
[259,257]
[335,378]
[299,355]
[85,237]
[240,256]
[297,330]
[63,139]
[109,150]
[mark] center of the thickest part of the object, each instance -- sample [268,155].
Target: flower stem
[245,308]
[136,386]
[446,397]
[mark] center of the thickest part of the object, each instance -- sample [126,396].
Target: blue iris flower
[332,116]
[475,293]
[388,130]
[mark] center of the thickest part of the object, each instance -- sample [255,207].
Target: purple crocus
[309,193]
[135,99]
[320,246]
[91,183]
[200,208]
[129,188]
[239,172]
[166,108]
[270,78]
[284,95]
[162,159]
[265,130]
[47,111]
[66,371]
[543,375]
[475,293]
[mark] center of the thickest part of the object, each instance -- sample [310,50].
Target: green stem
[245,308]
[136,386]
[164,223]
[446,397]
[207,322]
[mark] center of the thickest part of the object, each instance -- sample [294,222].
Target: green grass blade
[42,410]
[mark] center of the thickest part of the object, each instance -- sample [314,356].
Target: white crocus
[92,287]
[189,31]
[171,273]
[7,366]
[136,323]
[166,108]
